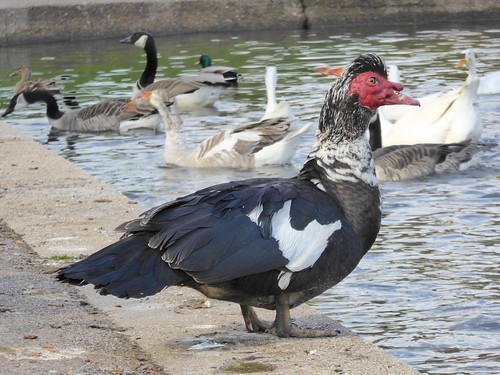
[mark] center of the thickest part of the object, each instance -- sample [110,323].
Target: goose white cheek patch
[141,42]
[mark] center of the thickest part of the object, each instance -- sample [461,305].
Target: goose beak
[129,107]
[329,71]
[145,95]
[127,40]
[7,111]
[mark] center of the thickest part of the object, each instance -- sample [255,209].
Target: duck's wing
[241,228]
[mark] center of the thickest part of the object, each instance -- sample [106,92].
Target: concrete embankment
[32,21]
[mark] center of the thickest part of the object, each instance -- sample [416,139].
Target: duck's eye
[372,81]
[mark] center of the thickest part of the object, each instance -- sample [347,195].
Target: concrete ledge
[32,21]
[59,209]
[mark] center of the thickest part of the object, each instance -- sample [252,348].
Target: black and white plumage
[107,115]
[270,243]
[191,93]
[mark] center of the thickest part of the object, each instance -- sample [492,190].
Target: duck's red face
[375,91]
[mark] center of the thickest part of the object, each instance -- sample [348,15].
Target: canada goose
[107,115]
[27,84]
[188,93]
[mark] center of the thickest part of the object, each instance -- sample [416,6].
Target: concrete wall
[28,21]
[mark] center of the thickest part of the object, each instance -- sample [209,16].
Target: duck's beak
[460,63]
[394,96]
[13,74]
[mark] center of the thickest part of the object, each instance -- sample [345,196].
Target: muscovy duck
[103,116]
[27,84]
[272,243]
[188,93]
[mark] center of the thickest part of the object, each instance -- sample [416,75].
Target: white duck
[271,141]
[108,115]
[489,84]
[188,94]
[450,118]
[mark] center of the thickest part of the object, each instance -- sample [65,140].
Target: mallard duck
[216,74]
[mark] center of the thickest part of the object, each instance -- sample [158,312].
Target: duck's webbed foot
[283,324]
[252,322]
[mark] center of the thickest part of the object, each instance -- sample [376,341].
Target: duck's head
[205,61]
[354,97]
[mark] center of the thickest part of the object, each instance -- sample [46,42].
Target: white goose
[188,93]
[270,141]
[108,115]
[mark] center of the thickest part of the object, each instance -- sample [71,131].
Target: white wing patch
[301,247]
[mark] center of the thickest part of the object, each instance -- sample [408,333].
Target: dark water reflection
[428,291]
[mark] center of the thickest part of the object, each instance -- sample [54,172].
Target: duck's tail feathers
[128,268]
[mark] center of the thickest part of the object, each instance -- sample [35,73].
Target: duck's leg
[283,324]
[252,322]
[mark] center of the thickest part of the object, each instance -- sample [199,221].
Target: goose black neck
[53,111]
[149,74]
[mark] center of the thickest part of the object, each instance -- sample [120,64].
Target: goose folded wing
[237,229]
[105,108]
[244,140]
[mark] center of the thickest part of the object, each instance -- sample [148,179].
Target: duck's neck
[53,111]
[149,74]
[271,80]
[341,163]
[346,172]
